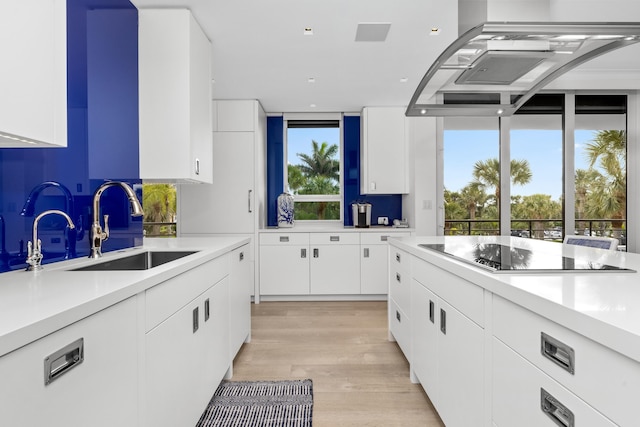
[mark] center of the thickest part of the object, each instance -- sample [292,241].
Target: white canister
[285,210]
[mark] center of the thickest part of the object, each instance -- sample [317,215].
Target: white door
[424,335]
[228,205]
[460,368]
[374,269]
[335,269]
[284,270]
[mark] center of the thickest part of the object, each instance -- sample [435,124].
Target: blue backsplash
[381,205]
[102,96]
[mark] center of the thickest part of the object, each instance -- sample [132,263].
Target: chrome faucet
[98,234]
[34,248]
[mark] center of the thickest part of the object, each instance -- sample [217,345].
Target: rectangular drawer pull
[398,316]
[366,252]
[207,309]
[397,257]
[334,238]
[558,352]
[303,253]
[559,414]
[284,238]
[63,360]
[443,321]
[241,256]
[195,319]
[432,309]
[384,238]
[398,278]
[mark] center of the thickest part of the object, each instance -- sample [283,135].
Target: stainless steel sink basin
[141,261]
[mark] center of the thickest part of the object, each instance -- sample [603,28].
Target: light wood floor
[359,377]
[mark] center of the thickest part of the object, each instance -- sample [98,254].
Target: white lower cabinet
[309,263]
[447,358]
[240,290]
[284,264]
[186,343]
[334,265]
[524,396]
[101,390]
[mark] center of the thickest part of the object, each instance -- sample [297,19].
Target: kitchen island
[522,347]
[115,335]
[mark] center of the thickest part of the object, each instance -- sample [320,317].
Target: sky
[541,148]
[299,141]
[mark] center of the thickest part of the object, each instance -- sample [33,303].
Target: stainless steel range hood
[495,67]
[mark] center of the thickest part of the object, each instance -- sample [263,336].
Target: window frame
[305,198]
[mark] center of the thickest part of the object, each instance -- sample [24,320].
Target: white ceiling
[260,50]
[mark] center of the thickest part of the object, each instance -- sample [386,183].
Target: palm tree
[159,202]
[473,197]
[295,178]
[321,172]
[487,173]
[608,195]
[321,162]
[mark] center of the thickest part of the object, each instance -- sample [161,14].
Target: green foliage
[159,204]
[318,174]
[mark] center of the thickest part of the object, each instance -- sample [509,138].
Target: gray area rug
[260,403]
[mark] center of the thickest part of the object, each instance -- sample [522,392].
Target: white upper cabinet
[33,86]
[384,151]
[175,97]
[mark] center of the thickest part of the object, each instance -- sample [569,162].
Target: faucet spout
[98,234]
[34,248]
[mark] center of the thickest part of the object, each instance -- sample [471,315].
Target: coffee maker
[361,214]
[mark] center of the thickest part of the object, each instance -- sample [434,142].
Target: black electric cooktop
[497,258]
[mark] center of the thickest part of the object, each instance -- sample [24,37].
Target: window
[600,167]
[536,176]
[159,205]
[471,176]
[313,156]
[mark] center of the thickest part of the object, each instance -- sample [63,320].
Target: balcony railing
[547,229]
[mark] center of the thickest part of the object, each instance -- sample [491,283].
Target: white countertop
[33,305]
[603,306]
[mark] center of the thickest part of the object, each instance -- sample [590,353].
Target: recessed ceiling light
[435,31]
[423,111]
[311,80]
[308,31]
[404,80]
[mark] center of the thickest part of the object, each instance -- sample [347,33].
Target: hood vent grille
[510,61]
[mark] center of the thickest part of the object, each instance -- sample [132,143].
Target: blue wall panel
[275,166]
[105,112]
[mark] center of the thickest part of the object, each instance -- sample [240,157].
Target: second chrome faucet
[100,234]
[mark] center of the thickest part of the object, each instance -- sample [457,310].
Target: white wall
[420,205]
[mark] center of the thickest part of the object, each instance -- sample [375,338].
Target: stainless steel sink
[141,261]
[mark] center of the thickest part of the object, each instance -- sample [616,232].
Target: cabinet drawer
[518,396]
[380,238]
[464,296]
[605,379]
[400,278]
[400,327]
[284,238]
[168,297]
[334,239]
